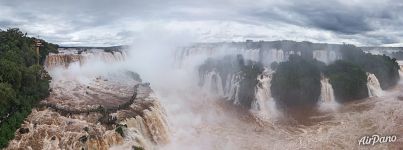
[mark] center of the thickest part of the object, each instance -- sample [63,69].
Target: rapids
[215,124]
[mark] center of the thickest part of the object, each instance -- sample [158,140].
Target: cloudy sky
[115,22]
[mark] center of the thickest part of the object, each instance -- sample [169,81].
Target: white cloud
[104,22]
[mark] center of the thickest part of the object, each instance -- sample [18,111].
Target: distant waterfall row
[65,59]
[213,84]
[265,56]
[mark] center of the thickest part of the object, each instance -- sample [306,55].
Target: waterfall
[263,106]
[262,92]
[327,100]
[326,91]
[232,86]
[326,56]
[374,87]
[251,54]
[65,59]
[213,83]
[151,127]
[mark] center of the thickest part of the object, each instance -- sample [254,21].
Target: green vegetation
[296,82]
[385,68]
[22,82]
[349,81]
[119,130]
[137,148]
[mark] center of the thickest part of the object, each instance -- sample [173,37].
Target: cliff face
[101,112]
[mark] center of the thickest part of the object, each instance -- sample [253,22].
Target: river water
[202,122]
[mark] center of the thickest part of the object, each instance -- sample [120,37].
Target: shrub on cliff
[297,82]
[349,81]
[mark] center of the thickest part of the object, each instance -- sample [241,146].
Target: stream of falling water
[374,87]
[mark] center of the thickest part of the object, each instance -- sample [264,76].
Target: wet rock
[86,129]
[24,130]
[83,139]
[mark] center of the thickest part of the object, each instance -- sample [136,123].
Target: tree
[386,69]
[10,73]
[296,83]
[7,96]
[21,84]
[349,81]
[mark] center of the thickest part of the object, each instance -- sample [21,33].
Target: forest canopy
[22,82]
[386,69]
[296,82]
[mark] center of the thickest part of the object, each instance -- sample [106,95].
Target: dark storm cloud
[92,21]
[336,16]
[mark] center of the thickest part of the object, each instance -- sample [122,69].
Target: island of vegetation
[296,82]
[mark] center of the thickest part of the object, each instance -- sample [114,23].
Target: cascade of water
[213,83]
[232,87]
[326,91]
[325,56]
[251,54]
[327,100]
[65,59]
[262,92]
[374,87]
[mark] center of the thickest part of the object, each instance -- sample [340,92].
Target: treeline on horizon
[296,82]
[23,83]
